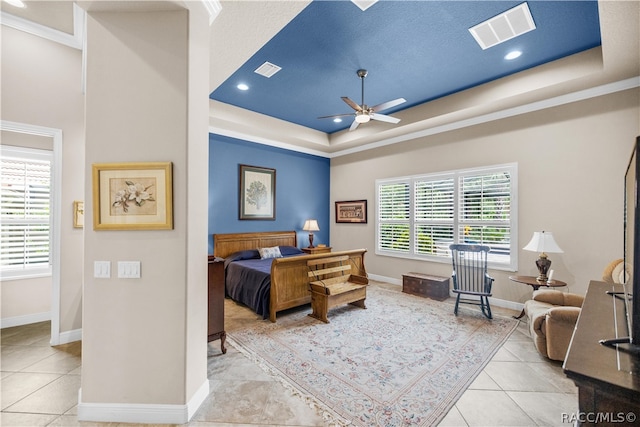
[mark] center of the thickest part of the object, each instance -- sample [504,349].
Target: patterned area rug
[405,360]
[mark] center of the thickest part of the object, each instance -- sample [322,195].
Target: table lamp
[311,225]
[542,241]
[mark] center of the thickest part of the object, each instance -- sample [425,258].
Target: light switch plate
[102,269]
[129,269]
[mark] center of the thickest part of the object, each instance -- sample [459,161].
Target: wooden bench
[331,284]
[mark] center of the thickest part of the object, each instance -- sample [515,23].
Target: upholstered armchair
[552,318]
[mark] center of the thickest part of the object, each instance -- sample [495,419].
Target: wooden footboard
[290,279]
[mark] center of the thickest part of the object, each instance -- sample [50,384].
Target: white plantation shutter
[434,215]
[25,196]
[394,215]
[420,216]
[485,212]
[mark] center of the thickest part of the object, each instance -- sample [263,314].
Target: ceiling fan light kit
[361,117]
[364,113]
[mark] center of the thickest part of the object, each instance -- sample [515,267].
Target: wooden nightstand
[216,302]
[317,250]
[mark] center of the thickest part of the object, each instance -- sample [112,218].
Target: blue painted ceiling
[417,50]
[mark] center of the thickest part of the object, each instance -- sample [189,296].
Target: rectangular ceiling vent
[268,69]
[503,27]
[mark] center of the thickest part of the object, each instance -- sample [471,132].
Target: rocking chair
[470,275]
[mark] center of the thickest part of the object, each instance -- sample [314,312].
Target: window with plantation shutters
[485,212]
[420,216]
[25,194]
[433,215]
[394,217]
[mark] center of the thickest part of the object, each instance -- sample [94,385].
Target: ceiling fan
[363,112]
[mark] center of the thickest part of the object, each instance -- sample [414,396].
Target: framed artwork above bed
[352,211]
[257,193]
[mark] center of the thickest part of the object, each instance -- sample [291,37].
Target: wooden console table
[608,378]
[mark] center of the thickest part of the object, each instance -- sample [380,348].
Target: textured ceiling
[417,50]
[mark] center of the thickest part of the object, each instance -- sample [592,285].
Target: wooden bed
[289,276]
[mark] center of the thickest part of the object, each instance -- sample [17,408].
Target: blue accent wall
[302,189]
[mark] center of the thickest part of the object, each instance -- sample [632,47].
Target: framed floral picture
[257,193]
[78,214]
[132,196]
[354,212]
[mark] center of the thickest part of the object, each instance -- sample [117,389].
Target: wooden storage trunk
[426,285]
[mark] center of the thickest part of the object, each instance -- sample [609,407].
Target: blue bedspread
[248,278]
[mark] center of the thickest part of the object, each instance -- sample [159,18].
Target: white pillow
[273,252]
[618,273]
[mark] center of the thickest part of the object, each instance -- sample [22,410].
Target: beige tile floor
[40,384]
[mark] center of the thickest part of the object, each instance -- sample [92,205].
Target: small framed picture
[257,193]
[132,196]
[353,211]
[78,214]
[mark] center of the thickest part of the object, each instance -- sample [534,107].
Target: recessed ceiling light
[16,3]
[337,120]
[243,86]
[512,55]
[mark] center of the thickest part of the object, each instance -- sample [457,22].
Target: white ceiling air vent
[267,69]
[503,27]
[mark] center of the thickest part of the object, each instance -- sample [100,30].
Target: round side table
[535,284]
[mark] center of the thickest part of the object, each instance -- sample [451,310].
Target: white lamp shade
[311,225]
[542,241]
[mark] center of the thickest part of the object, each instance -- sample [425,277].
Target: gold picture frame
[257,195]
[133,196]
[352,212]
[78,214]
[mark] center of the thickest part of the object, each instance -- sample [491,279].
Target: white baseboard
[384,279]
[142,413]
[518,306]
[197,399]
[26,319]
[67,337]
[62,338]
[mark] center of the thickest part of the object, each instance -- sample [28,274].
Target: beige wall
[571,162]
[41,85]
[144,340]
[25,300]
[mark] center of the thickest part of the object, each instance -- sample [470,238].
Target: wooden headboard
[226,244]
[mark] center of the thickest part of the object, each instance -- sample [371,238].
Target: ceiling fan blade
[336,115]
[354,125]
[351,103]
[388,104]
[384,118]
